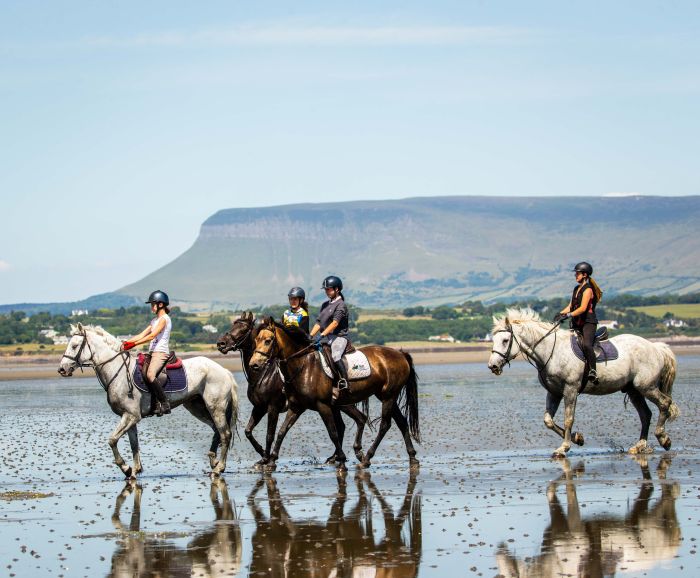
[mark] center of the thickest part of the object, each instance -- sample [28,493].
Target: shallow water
[487,499]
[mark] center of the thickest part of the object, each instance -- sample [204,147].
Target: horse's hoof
[577,438]
[365,463]
[341,467]
[413,463]
[128,472]
[557,455]
[666,444]
[330,460]
[360,456]
[269,467]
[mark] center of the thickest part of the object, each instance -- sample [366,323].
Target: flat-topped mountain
[436,250]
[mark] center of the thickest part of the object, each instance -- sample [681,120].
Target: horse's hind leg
[360,421]
[387,407]
[135,450]
[218,412]
[126,423]
[640,404]
[552,407]
[664,403]
[198,409]
[402,423]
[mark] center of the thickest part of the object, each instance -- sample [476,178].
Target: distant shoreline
[45,366]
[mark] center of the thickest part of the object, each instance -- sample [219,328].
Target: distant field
[682,310]
[376,315]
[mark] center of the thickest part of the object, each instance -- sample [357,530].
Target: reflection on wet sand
[600,545]
[345,544]
[216,551]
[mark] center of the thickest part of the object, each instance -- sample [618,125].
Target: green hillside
[436,250]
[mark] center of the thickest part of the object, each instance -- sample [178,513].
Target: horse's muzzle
[495,369]
[65,373]
[222,347]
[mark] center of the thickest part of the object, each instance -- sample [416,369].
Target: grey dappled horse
[210,396]
[644,371]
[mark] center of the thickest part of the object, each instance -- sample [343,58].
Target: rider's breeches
[156,365]
[338,345]
[587,346]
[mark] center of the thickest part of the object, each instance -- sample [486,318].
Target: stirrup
[593,377]
[342,384]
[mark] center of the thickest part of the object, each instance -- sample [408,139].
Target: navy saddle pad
[177,379]
[604,350]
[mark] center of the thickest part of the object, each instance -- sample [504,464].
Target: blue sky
[111,111]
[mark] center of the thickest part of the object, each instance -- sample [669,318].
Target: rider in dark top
[332,326]
[581,311]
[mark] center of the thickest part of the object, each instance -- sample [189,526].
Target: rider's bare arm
[149,334]
[315,329]
[331,327]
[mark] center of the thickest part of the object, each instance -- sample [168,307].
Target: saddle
[173,378]
[173,362]
[604,350]
[355,362]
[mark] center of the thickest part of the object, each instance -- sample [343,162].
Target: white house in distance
[445,337]
[53,335]
[609,323]
[674,323]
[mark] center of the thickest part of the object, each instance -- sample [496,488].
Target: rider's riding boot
[343,373]
[162,405]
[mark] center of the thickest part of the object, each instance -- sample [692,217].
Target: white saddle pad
[356,364]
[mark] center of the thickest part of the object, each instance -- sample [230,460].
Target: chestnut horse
[266,391]
[308,387]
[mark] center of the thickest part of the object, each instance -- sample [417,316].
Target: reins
[529,356]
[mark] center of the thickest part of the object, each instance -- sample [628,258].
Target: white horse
[211,394]
[644,370]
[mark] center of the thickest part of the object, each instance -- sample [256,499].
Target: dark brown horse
[266,391]
[308,387]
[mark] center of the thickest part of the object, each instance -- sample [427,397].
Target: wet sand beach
[487,499]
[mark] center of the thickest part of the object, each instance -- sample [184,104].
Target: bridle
[237,344]
[530,357]
[283,362]
[126,362]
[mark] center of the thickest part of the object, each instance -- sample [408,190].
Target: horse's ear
[249,316]
[80,327]
[507,322]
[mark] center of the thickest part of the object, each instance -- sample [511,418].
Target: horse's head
[78,352]
[265,343]
[241,330]
[504,347]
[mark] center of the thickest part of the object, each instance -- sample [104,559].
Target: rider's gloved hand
[126,345]
[559,317]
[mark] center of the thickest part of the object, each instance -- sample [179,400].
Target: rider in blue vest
[581,311]
[298,313]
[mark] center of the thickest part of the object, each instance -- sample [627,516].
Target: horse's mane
[298,336]
[109,339]
[527,318]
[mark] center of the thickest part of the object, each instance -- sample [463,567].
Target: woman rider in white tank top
[158,334]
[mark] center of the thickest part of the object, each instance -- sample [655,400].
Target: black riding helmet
[584,267]
[297,292]
[332,282]
[159,296]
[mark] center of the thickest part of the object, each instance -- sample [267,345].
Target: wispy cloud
[4,266]
[304,35]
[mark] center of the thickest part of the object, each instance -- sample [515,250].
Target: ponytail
[341,295]
[304,306]
[596,289]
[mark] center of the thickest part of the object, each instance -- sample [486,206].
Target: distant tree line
[467,321]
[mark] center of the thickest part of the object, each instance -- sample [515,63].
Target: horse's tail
[410,405]
[668,376]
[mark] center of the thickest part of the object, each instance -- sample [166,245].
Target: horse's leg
[221,422]
[255,417]
[196,406]
[387,407]
[640,404]
[552,407]
[273,415]
[340,430]
[664,403]
[135,450]
[328,416]
[125,424]
[360,421]
[401,422]
[289,421]
[570,397]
